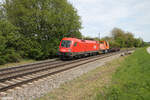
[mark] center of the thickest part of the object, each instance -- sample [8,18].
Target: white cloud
[103,15]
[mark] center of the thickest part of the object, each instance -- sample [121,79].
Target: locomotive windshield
[101,42]
[65,43]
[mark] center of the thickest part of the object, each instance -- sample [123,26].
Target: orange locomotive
[104,46]
[73,47]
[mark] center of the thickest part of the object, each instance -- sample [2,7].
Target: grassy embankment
[131,80]
[126,78]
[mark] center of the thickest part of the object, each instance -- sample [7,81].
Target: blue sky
[103,15]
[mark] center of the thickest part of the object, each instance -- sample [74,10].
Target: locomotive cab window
[101,42]
[66,43]
[75,44]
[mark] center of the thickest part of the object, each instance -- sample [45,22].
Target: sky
[101,16]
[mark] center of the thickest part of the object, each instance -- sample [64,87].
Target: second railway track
[15,78]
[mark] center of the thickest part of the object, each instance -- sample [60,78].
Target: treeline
[122,39]
[33,28]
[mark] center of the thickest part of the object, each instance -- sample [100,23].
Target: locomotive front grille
[65,53]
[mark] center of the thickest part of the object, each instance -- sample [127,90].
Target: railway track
[27,65]
[17,76]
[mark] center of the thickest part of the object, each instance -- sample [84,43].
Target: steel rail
[41,68]
[30,67]
[61,70]
[27,65]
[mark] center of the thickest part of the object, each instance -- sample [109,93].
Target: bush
[12,56]
[2,60]
[35,54]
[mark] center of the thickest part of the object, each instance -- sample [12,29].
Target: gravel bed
[41,87]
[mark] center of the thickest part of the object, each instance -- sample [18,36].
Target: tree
[129,39]
[118,36]
[43,19]
[8,39]
[44,23]
[2,16]
[122,39]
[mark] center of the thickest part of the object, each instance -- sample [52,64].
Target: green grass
[131,81]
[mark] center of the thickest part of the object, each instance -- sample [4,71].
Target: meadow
[131,81]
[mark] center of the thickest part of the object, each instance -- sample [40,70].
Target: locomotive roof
[80,40]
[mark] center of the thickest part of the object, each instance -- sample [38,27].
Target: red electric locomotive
[73,47]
